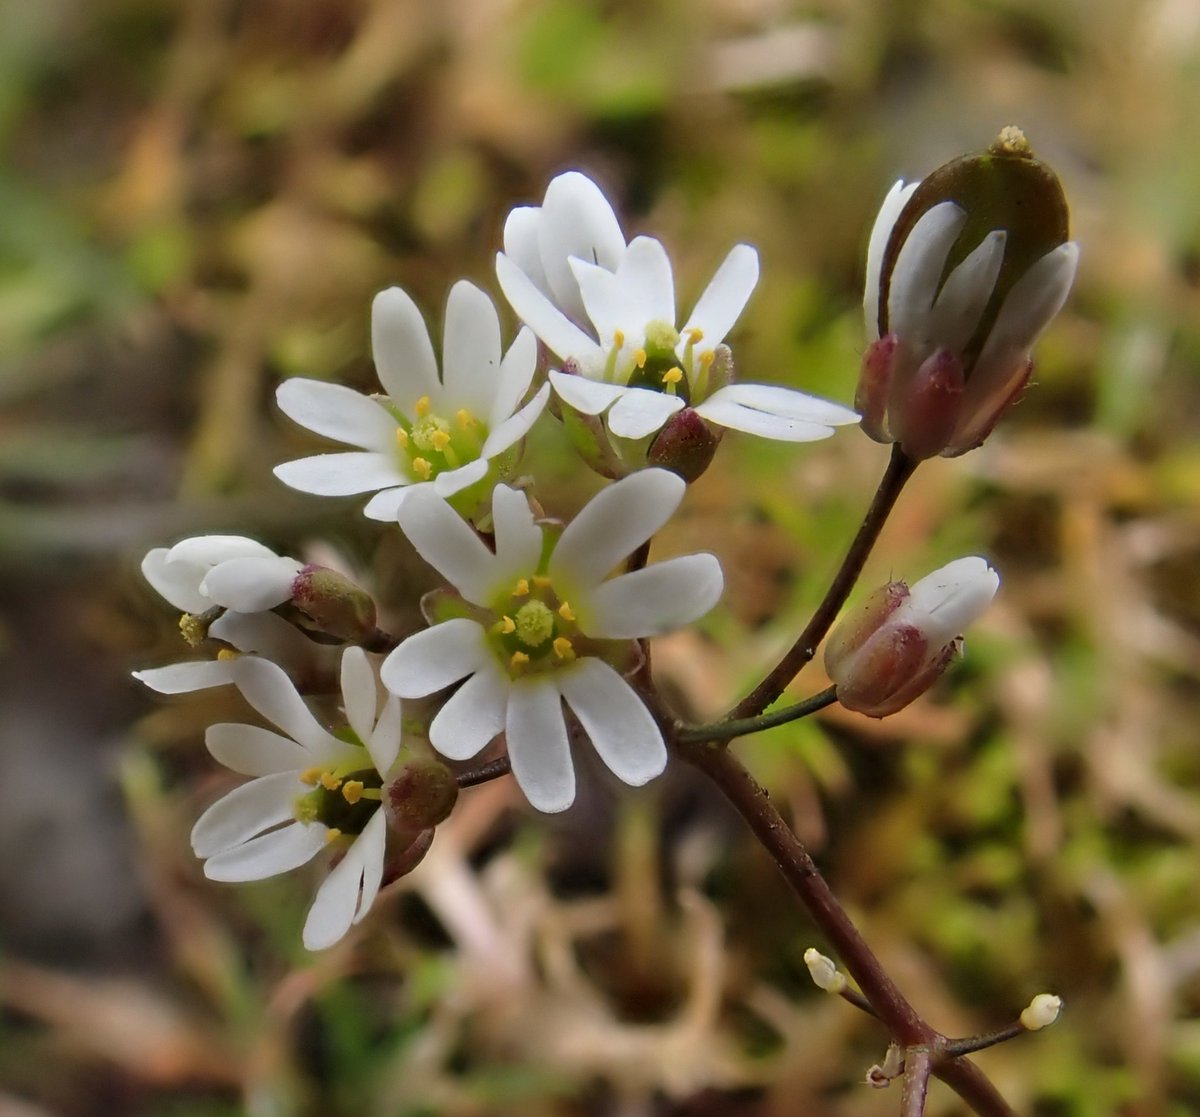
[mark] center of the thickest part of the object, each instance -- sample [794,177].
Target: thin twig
[900,469]
[492,770]
[974,1087]
[741,727]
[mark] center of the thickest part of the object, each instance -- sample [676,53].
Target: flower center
[656,366]
[343,797]
[430,443]
[536,630]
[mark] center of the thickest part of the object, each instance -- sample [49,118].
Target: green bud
[334,603]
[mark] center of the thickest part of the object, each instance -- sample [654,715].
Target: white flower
[237,574]
[443,431]
[894,646]
[938,373]
[541,614]
[609,309]
[311,789]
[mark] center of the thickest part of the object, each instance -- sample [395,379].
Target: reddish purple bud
[874,385]
[685,445]
[979,419]
[334,603]
[924,417]
[404,858]
[419,796]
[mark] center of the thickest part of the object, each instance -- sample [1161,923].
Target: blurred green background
[198,199]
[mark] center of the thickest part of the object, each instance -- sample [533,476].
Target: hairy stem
[900,469]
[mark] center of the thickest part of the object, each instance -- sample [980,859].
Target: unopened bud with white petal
[893,647]
[335,604]
[824,972]
[1041,1012]
[965,269]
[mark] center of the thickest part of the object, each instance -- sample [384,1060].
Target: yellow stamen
[310,776]
[707,357]
[332,835]
[505,626]
[565,611]
[518,660]
[226,654]
[672,377]
[352,791]
[618,338]
[402,438]
[329,781]
[694,335]
[639,358]
[542,582]
[521,588]
[423,406]
[465,419]
[563,648]
[440,440]
[422,468]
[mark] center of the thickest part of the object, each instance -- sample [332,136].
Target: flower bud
[964,271]
[1041,1012]
[893,647]
[685,445]
[420,795]
[824,972]
[334,603]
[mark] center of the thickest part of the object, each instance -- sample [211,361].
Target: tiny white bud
[824,972]
[1041,1012]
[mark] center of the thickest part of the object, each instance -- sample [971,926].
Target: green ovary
[536,630]
[343,798]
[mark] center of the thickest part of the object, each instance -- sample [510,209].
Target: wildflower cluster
[539,638]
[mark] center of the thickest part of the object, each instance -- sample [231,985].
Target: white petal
[517,426]
[515,376]
[1033,302]
[267,855]
[787,403]
[607,304]
[265,686]
[403,353]
[943,604]
[445,541]
[558,332]
[614,523]
[639,412]
[537,744]
[965,293]
[589,397]
[725,297]
[176,582]
[918,269]
[431,660]
[653,600]
[246,811]
[470,349]
[182,678]
[251,585]
[645,273]
[521,243]
[254,751]
[347,893]
[337,412]
[265,634]
[721,410]
[576,221]
[208,550]
[384,742]
[621,729]
[473,714]
[359,697]
[455,480]
[385,505]
[881,232]
[518,538]
[341,474]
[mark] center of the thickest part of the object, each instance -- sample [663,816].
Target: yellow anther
[352,791]
[329,781]
[518,660]
[672,377]
[440,440]
[310,776]
[563,648]
[402,438]
[707,357]
[521,588]
[332,835]
[565,611]
[542,581]
[639,358]
[618,338]
[423,406]
[422,468]
[505,626]
[193,629]
[226,654]
[465,419]
[694,335]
